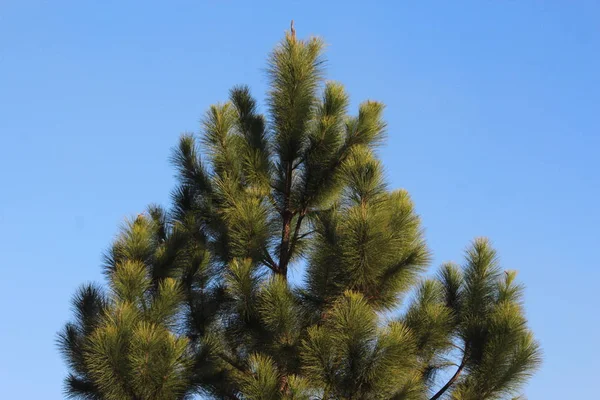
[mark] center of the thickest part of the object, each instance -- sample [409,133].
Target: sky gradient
[494,128]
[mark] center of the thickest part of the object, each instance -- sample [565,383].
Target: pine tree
[198,299]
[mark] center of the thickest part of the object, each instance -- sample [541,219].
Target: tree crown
[198,300]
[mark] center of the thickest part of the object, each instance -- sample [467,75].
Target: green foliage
[295,72]
[350,356]
[198,301]
[122,345]
[485,322]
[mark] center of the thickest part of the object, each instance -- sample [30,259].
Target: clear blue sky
[494,128]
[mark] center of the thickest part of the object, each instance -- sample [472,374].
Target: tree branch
[232,362]
[296,232]
[452,380]
[306,234]
[269,262]
[298,163]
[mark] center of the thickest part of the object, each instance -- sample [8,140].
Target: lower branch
[452,380]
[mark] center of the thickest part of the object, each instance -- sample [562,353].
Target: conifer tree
[199,302]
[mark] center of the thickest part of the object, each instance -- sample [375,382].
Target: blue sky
[494,128]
